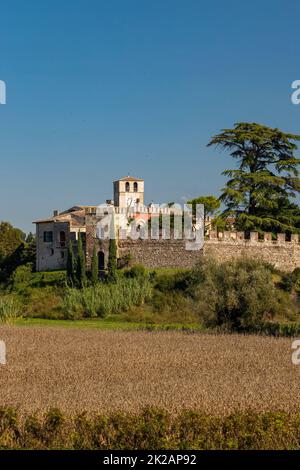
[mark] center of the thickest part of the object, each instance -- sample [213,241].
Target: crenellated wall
[283,254]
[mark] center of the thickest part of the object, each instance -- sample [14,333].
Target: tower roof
[129,178]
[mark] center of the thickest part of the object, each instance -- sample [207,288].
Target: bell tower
[128,192]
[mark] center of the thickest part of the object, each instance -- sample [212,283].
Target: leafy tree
[80,268]
[10,239]
[15,251]
[239,294]
[258,192]
[95,267]
[210,203]
[71,265]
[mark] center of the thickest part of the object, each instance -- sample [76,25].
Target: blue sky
[99,89]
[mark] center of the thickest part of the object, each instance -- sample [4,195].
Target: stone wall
[159,253]
[283,254]
[91,240]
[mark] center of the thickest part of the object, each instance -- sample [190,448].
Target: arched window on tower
[135,187]
[127,187]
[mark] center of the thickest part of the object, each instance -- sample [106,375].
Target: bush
[291,281]
[21,278]
[237,294]
[137,271]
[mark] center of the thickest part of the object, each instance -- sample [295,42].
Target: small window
[127,187]
[48,237]
[135,187]
[62,238]
[62,254]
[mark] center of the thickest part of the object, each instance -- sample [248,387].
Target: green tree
[14,250]
[112,260]
[71,265]
[30,238]
[80,268]
[210,203]
[112,254]
[259,191]
[95,267]
[10,239]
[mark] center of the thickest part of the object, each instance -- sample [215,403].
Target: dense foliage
[150,429]
[260,190]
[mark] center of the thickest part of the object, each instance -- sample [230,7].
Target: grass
[106,324]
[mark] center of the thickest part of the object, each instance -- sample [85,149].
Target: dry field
[94,370]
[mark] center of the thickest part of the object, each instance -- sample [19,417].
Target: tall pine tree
[259,191]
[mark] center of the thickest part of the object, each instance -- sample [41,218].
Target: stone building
[54,234]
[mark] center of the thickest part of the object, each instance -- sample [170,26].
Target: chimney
[55,213]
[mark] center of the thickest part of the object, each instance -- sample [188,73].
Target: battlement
[253,238]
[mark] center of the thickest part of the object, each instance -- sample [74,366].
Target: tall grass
[105,299]
[9,309]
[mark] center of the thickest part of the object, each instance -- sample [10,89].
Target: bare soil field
[103,371]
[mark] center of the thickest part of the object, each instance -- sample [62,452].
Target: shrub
[291,281]
[137,271]
[21,278]
[237,294]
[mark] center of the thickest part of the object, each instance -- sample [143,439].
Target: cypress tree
[112,261]
[81,271]
[71,266]
[112,256]
[95,267]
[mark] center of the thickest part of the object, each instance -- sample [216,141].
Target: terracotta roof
[76,218]
[129,178]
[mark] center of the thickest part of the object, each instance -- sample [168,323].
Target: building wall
[91,240]
[284,255]
[49,254]
[121,195]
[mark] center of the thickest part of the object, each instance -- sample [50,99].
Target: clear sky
[99,89]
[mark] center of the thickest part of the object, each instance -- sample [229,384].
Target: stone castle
[54,233]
